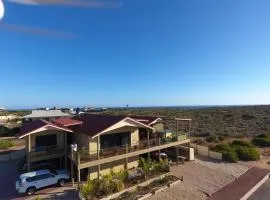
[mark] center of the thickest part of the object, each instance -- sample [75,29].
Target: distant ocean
[181,107]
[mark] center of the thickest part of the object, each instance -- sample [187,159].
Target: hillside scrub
[238,150]
[234,121]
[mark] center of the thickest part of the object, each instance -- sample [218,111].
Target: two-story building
[104,142]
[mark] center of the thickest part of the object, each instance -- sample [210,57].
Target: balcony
[85,158]
[46,152]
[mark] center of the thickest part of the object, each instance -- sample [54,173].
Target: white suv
[30,182]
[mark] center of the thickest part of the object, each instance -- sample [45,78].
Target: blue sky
[147,52]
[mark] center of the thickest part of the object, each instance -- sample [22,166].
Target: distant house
[8,117]
[48,115]
[104,142]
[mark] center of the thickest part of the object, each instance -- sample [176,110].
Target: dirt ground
[202,178]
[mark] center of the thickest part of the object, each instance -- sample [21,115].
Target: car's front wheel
[61,182]
[31,191]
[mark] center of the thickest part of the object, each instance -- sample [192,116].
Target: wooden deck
[85,161]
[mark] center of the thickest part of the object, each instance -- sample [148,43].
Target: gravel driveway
[202,177]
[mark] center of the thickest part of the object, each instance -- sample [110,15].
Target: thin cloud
[37,31]
[72,3]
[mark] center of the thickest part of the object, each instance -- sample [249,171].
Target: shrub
[198,141]
[230,156]
[146,165]
[221,138]
[242,143]
[119,185]
[104,186]
[5,144]
[211,138]
[262,136]
[238,150]
[222,148]
[261,142]
[87,189]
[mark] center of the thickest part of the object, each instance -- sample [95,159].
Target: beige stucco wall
[85,141]
[82,140]
[159,126]
[93,145]
[134,137]
[115,166]
[60,137]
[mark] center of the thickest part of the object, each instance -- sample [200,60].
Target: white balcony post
[71,166]
[65,147]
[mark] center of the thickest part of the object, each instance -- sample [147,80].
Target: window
[39,177]
[46,140]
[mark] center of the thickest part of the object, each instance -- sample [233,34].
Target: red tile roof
[67,122]
[238,188]
[34,125]
[93,124]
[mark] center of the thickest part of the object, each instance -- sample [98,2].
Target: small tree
[146,165]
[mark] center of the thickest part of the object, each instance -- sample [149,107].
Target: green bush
[238,150]
[221,138]
[261,140]
[246,153]
[87,189]
[222,148]
[5,144]
[211,138]
[230,156]
[242,143]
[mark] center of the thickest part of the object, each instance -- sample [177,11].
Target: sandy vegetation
[237,121]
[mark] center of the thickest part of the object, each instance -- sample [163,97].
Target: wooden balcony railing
[47,150]
[85,155]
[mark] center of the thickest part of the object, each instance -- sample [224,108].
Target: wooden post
[126,160]
[65,149]
[78,168]
[79,177]
[71,167]
[148,143]
[177,155]
[29,153]
[99,175]
[189,127]
[176,127]
[98,147]
[159,149]
[98,155]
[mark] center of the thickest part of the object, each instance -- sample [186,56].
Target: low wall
[204,151]
[216,155]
